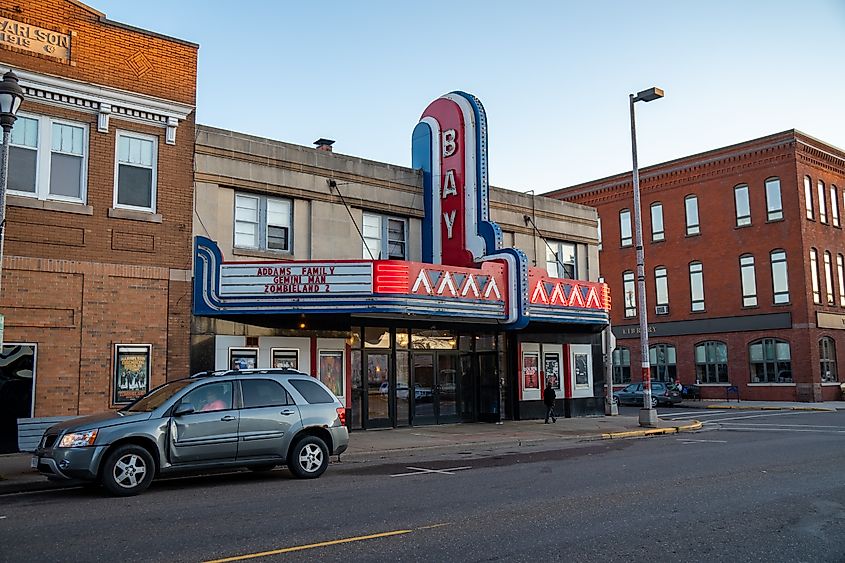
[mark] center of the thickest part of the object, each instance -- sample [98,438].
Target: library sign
[35,39]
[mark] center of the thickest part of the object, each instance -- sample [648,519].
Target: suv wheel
[309,458]
[128,471]
[653,402]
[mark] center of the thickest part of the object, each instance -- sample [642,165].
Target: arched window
[770,361]
[827,360]
[662,360]
[621,365]
[711,362]
[814,275]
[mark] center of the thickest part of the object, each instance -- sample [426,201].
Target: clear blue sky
[554,76]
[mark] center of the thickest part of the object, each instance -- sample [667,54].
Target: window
[263,393]
[711,362]
[814,272]
[828,278]
[780,279]
[630,294]
[384,237]
[822,204]
[657,233]
[17,371]
[840,274]
[311,391]
[263,223]
[808,196]
[662,360]
[211,397]
[625,227]
[696,284]
[598,226]
[827,360]
[743,206]
[834,205]
[48,159]
[770,361]
[774,207]
[749,280]
[621,365]
[560,260]
[661,286]
[135,171]
[691,204]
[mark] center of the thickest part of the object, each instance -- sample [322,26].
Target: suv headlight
[78,439]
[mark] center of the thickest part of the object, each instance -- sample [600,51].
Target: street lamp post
[648,415]
[11,96]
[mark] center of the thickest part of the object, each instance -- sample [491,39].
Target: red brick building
[96,268]
[744,267]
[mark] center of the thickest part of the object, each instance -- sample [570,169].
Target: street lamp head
[11,96]
[649,95]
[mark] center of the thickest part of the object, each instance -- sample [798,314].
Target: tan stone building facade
[96,265]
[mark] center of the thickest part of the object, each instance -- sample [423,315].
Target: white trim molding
[104,101]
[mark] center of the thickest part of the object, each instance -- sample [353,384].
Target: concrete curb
[768,408]
[696,425]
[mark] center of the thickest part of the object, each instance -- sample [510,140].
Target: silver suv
[240,418]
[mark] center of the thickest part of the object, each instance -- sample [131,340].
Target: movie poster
[552,369]
[243,358]
[131,373]
[285,359]
[331,371]
[530,370]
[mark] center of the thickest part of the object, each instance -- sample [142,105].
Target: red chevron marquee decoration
[544,290]
[434,280]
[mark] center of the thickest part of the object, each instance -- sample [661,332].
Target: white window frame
[773,213]
[153,178]
[629,281]
[742,220]
[749,294]
[834,205]
[820,187]
[625,241]
[828,277]
[657,236]
[557,247]
[814,274]
[661,285]
[262,225]
[840,274]
[273,353]
[43,160]
[696,271]
[775,292]
[384,245]
[808,197]
[692,228]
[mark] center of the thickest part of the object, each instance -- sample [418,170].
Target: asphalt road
[752,486]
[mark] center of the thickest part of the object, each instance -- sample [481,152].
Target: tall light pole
[648,415]
[11,96]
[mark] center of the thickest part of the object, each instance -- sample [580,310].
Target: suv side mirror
[183,409]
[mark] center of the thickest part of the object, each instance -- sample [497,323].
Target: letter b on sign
[449,143]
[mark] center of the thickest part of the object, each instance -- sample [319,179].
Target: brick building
[96,269]
[744,267]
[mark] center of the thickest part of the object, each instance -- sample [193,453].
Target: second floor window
[774,206]
[661,286]
[743,206]
[263,223]
[749,281]
[814,273]
[135,171]
[560,260]
[630,294]
[691,204]
[48,159]
[780,278]
[840,275]
[696,283]
[834,205]
[657,233]
[828,278]
[384,237]
[625,227]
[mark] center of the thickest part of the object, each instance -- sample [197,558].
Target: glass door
[423,386]
[448,387]
[379,404]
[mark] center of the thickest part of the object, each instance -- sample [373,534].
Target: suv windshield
[157,396]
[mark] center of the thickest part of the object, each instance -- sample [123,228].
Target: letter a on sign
[449,187]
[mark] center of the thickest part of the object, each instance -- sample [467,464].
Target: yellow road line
[320,544]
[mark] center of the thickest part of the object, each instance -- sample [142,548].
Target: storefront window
[376,337]
[403,380]
[357,389]
[711,362]
[662,360]
[354,338]
[827,359]
[621,365]
[331,371]
[434,340]
[485,343]
[770,361]
[403,339]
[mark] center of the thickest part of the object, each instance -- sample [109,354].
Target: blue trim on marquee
[421,158]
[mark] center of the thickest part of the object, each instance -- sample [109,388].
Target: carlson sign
[34,39]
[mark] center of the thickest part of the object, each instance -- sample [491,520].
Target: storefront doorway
[437,378]
[17,380]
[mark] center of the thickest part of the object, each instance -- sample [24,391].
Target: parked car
[661,394]
[257,418]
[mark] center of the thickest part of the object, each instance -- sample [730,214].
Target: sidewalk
[827,406]
[374,446]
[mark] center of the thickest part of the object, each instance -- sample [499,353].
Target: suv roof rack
[221,372]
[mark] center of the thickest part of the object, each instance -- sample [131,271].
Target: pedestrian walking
[549,400]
